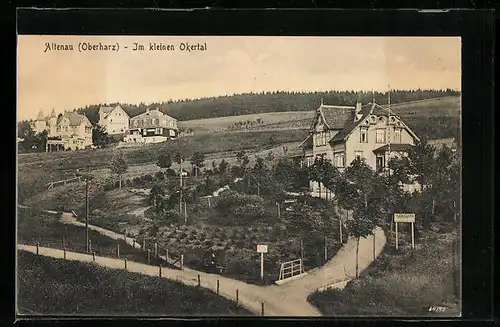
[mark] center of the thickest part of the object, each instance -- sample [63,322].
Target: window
[320,139]
[363,132]
[339,160]
[380,162]
[309,161]
[380,136]
[358,154]
[397,135]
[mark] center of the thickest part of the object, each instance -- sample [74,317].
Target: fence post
[182,261]
[63,242]
[156,249]
[144,245]
[125,262]
[118,250]
[90,245]
[93,256]
[159,272]
[166,255]
[37,246]
[199,281]
[217,287]
[64,253]
[149,256]
[262,309]
[237,297]
[133,243]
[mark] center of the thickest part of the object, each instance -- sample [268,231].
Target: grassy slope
[35,170]
[55,286]
[46,229]
[401,284]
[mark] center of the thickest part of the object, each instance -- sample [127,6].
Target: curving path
[289,299]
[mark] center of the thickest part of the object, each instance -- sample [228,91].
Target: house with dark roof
[152,126]
[114,120]
[342,133]
[68,131]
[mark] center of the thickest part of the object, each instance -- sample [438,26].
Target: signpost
[261,248]
[405,218]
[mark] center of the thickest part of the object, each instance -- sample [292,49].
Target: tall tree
[100,137]
[164,162]
[156,196]
[119,166]
[197,161]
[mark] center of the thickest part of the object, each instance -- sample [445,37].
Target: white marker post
[405,218]
[261,248]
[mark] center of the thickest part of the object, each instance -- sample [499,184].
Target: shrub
[171,216]
[236,208]
[148,178]
[159,175]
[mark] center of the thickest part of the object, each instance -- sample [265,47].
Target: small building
[114,120]
[153,126]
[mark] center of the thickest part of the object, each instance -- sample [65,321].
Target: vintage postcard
[175,176]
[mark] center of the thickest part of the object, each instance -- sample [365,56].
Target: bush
[148,178]
[159,176]
[171,217]
[237,208]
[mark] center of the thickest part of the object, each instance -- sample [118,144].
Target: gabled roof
[40,116]
[106,110]
[153,114]
[74,118]
[366,110]
[335,117]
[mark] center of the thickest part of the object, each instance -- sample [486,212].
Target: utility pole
[389,132]
[87,212]
[180,179]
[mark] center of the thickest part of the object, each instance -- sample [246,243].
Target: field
[57,287]
[404,283]
[35,170]
[439,107]
[285,120]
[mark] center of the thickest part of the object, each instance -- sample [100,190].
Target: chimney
[357,111]
[358,107]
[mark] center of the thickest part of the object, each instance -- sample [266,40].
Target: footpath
[289,299]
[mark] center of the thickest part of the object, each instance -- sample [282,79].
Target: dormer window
[363,134]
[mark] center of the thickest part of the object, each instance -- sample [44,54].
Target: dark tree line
[254,103]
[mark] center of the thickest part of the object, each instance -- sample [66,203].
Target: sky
[64,80]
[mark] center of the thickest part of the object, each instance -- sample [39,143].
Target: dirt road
[289,299]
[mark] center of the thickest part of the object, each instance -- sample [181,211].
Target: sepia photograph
[212,176]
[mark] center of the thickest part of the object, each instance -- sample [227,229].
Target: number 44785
[437,309]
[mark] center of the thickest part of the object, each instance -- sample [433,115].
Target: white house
[342,133]
[114,120]
[68,131]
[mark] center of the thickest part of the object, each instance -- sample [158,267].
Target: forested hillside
[255,103]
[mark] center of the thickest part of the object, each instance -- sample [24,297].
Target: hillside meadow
[404,283]
[48,286]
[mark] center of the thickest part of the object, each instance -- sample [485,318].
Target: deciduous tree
[119,166]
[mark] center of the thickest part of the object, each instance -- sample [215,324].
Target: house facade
[114,120]
[342,133]
[153,126]
[68,131]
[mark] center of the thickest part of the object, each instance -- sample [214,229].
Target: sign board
[261,248]
[404,217]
